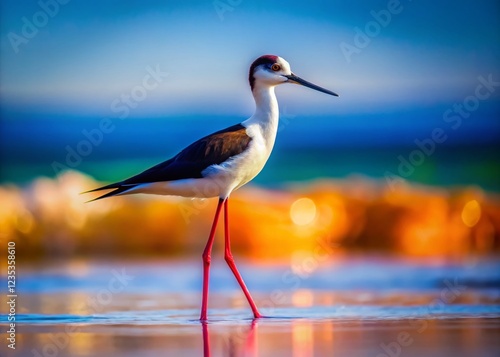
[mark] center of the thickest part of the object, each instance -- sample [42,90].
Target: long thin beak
[295,79]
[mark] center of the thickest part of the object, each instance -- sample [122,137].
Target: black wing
[189,163]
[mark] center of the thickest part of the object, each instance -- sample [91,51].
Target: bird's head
[270,70]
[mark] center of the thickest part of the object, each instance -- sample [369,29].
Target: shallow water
[360,306]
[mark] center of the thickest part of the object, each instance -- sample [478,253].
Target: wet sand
[360,307]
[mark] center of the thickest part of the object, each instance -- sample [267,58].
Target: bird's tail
[118,188]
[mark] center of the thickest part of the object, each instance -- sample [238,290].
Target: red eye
[275,67]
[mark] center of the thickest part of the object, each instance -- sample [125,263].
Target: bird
[220,163]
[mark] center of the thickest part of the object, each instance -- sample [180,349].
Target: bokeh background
[374,229]
[404,161]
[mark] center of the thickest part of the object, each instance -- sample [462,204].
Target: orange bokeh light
[318,220]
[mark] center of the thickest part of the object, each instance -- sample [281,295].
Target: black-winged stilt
[223,161]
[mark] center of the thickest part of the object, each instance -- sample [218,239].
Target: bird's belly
[253,166]
[240,169]
[206,187]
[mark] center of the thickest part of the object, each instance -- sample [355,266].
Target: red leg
[228,256]
[206,262]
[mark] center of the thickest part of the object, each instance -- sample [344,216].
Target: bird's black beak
[295,79]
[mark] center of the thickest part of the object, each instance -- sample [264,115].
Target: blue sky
[90,53]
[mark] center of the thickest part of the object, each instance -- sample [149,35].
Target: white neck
[266,114]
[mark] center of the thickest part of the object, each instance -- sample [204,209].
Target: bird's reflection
[241,342]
